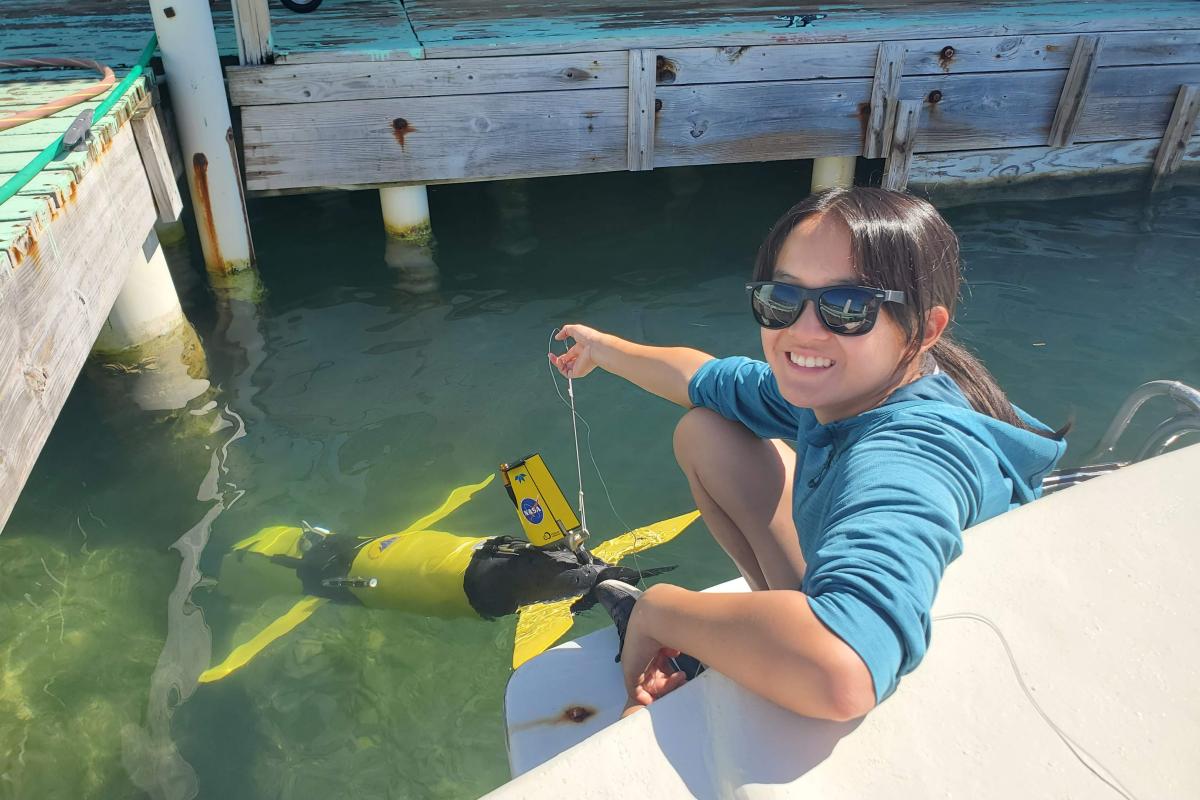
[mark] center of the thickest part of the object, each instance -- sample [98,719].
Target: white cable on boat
[1087,759]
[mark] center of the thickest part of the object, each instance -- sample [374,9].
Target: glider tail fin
[245,652]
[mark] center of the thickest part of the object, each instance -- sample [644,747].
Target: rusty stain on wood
[946,57]
[665,70]
[400,129]
[864,117]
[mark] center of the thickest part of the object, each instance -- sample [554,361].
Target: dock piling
[188,46]
[146,336]
[409,248]
[833,171]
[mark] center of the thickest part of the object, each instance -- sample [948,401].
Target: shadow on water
[365,400]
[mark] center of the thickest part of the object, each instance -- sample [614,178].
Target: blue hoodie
[881,499]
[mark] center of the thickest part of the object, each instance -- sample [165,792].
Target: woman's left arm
[770,642]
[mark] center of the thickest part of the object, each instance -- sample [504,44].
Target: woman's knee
[697,433]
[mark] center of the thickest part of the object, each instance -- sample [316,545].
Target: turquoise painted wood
[50,190]
[474,27]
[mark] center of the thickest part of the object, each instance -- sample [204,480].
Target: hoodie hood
[1024,457]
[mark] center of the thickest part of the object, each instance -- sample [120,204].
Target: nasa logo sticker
[381,545]
[531,510]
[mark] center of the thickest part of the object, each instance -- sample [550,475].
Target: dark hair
[901,242]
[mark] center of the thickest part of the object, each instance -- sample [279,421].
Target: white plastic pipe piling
[405,211]
[147,307]
[833,171]
[147,342]
[188,46]
[409,249]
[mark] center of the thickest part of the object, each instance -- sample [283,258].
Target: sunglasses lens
[775,305]
[848,310]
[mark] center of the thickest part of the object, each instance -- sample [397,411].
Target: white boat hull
[1095,593]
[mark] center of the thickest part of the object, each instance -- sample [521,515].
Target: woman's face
[853,373]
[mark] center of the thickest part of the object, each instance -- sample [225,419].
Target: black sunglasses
[844,310]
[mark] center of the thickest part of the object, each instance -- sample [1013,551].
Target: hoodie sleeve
[907,491]
[745,390]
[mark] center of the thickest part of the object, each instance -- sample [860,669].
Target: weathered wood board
[365,80]
[431,139]
[49,191]
[484,27]
[1007,165]
[721,123]
[943,56]
[55,294]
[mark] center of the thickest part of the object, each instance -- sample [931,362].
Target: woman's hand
[658,678]
[582,357]
[649,673]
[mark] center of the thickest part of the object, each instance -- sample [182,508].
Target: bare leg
[743,486]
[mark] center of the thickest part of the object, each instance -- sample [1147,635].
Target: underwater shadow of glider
[430,572]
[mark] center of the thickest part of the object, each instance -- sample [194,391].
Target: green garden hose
[17,182]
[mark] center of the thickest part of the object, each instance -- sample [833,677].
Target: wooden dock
[434,91]
[67,240]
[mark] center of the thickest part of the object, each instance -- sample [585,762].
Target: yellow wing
[277,540]
[456,499]
[641,539]
[539,626]
[243,653]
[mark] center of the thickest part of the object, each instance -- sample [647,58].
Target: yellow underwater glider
[544,578]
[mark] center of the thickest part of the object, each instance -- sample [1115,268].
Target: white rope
[591,453]
[1088,760]
[578,464]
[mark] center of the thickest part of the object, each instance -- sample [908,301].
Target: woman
[902,441]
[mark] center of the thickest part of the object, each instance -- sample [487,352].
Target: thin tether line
[591,453]
[1088,760]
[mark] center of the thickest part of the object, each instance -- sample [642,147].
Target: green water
[348,401]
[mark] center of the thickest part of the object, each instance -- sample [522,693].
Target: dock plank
[434,139]
[356,80]
[480,27]
[943,56]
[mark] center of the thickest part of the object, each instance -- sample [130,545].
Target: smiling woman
[902,441]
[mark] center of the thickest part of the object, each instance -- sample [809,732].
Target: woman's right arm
[664,371]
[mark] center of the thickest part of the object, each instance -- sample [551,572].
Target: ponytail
[980,388]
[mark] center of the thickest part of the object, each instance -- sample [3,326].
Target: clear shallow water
[347,401]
